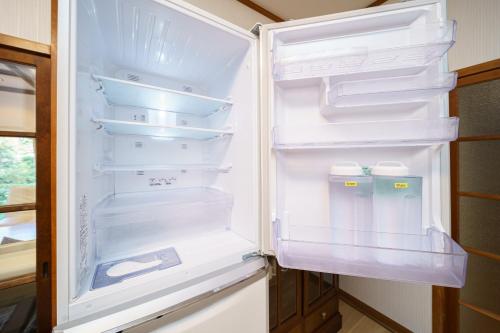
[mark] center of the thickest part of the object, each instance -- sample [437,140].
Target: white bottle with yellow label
[397,199]
[350,197]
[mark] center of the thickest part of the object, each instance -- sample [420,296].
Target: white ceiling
[295,9]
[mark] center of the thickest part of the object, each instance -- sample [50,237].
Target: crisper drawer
[144,219]
[138,207]
[321,316]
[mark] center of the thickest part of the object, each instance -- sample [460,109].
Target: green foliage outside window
[17,165]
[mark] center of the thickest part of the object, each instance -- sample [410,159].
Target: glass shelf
[415,89]
[432,258]
[155,130]
[412,132]
[166,167]
[323,58]
[134,94]
[126,203]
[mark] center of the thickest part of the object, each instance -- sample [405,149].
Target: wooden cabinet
[302,302]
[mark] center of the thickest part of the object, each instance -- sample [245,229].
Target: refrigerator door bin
[159,130]
[414,89]
[362,56]
[367,134]
[134,94]
[432,258]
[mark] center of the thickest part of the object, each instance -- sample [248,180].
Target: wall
[28,19]
[232,11]
[478,32]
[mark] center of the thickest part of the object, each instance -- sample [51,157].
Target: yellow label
[350,183]
[400,185]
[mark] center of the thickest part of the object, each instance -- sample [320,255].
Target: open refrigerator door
[356,139]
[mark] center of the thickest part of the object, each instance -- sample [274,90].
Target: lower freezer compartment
[432,258]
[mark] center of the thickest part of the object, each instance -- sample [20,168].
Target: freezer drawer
[240,286]
[244,309]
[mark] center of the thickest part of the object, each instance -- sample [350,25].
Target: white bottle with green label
[350,197]
[397,199]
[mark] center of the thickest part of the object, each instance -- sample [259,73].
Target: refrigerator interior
[166,157]
[364,89]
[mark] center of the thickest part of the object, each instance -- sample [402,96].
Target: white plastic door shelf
[415,89]
[128,93]
[433,258]
[158,130]
[367,134]
[322,58]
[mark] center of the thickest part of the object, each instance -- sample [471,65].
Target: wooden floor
[354,321]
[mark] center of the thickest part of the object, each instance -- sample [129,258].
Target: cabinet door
[285,298]
[289,295]
[273,295]
[318,287]
[312,290]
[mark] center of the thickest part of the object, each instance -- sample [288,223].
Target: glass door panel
[327,282]
[17,197]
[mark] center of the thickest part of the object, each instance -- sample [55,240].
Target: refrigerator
[190,149]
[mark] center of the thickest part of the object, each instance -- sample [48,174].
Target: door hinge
[256,29]
[250,255]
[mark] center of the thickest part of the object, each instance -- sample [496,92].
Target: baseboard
[373,314]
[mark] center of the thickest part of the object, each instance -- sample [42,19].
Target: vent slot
[133,77]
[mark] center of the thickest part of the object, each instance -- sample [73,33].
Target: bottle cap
[346,169]
[390,168]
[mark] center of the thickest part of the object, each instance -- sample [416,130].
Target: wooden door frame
[445,301]
[32,54]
